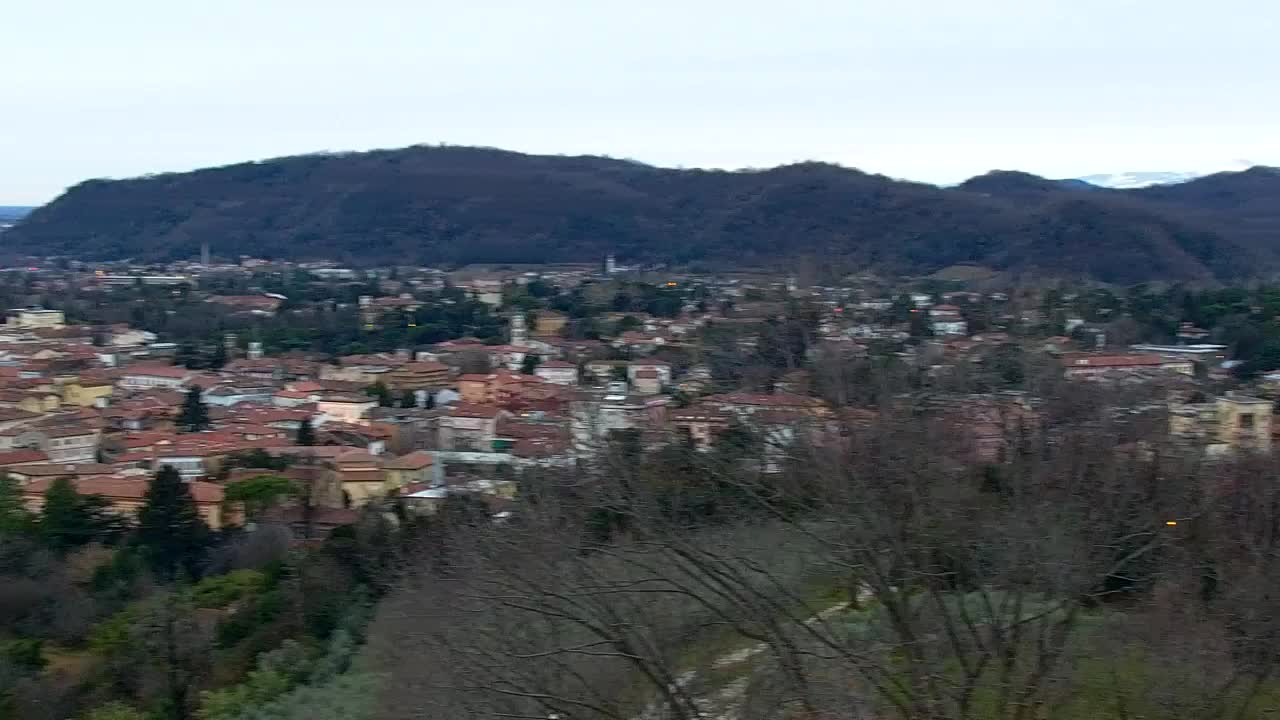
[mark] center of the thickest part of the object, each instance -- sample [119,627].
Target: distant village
[101,403]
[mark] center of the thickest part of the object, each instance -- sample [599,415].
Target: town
[405,386]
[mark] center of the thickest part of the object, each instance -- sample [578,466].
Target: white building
[662,368]
[344,408]
[150,377]
[558,372]
[37,318]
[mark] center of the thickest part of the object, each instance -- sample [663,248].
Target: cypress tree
[194,416]
[170,530]
[306,434]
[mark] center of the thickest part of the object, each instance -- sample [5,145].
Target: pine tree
[194,416]
[66,522]
[306,434]
[409,399]
[530,363]
[431,401]
[14,518]
[170,530]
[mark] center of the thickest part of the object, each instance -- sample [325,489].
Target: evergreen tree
[380,392]
[431,401]
[170,530]
[188,356]
[69,520]
[219,357]
[306,434]
[409,399]
[14,518]
[530,363]
[261,493]
[194,416]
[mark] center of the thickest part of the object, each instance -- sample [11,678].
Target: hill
[442,205]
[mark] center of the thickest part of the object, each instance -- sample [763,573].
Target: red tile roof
[164,371]
[474,410]
[115,487]
[18,457]
[1110,361]
[413,461]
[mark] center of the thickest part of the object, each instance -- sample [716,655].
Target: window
[1246,422]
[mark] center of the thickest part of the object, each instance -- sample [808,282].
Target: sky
[932,90]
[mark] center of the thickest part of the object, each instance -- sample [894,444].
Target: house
[1190,334]
[26,456]
[36,317]
[596,415]
[12,418]
[39,401]
[510,357]
[424,498]
[1244,422]
[490,389]
[474,388]
[646,382]
[558,372]
[1090,365]
[344,408]
[127,494]
[410,469]
[410,428]
[148,377]
[86,389]
[25,474]
[947,320]
[263,305]
[67,444]
[606,370]
[1207,353]
[293,398]
[640,341]
[1230,422]
[125,336]
[468,426]
[373,437]
[228,394]
[549,322]
[427,376]
[661,368]
[192,461]
[701,424]
[360,370]
[361,475]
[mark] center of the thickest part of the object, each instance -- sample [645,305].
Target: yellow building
[1231,422]
[127,495]
[40,402]
[408,469]
[549,322]
[84,393]
[33,318]
[1244,422]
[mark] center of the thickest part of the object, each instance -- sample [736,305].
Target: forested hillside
[455,205]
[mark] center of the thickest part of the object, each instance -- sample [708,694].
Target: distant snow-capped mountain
[1131,180]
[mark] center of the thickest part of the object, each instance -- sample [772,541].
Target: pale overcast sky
[933,90]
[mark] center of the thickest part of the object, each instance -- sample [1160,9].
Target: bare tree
[877,574]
